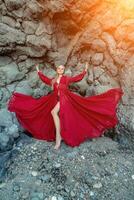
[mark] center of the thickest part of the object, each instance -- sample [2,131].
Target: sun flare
[128,4]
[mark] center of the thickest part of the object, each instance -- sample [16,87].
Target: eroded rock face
[69,32]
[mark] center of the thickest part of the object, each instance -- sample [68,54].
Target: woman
[64,115]
[60,71]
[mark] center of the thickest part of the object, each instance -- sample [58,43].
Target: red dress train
[81,118]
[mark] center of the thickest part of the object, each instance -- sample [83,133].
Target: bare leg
[55,115]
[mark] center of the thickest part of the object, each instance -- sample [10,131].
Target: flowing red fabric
[81,118]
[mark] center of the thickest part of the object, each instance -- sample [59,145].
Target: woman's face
[60,69]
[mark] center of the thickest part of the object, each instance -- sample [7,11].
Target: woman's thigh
[56,108]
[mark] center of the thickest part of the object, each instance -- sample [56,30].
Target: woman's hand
[86,67]
[37,67]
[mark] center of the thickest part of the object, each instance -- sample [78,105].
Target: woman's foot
[58,143]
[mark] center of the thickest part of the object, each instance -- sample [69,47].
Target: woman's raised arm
[43,77]
[77,77]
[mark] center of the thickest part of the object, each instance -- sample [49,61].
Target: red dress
[81,118]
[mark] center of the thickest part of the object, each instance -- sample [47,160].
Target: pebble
[34,173]
[116,174]
[82,157]
[16,188]
[72,194]
[133,177]
[60,198]
[71,154]
[91,193]
[38,182]
[35,148]
[97,185]
[53,198]
[25,195]
[57,165]
[45,178]
[2,185]
[60,187]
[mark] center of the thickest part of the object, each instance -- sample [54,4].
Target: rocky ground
[99,169]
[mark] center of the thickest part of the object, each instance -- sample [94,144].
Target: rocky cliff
[68,32]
